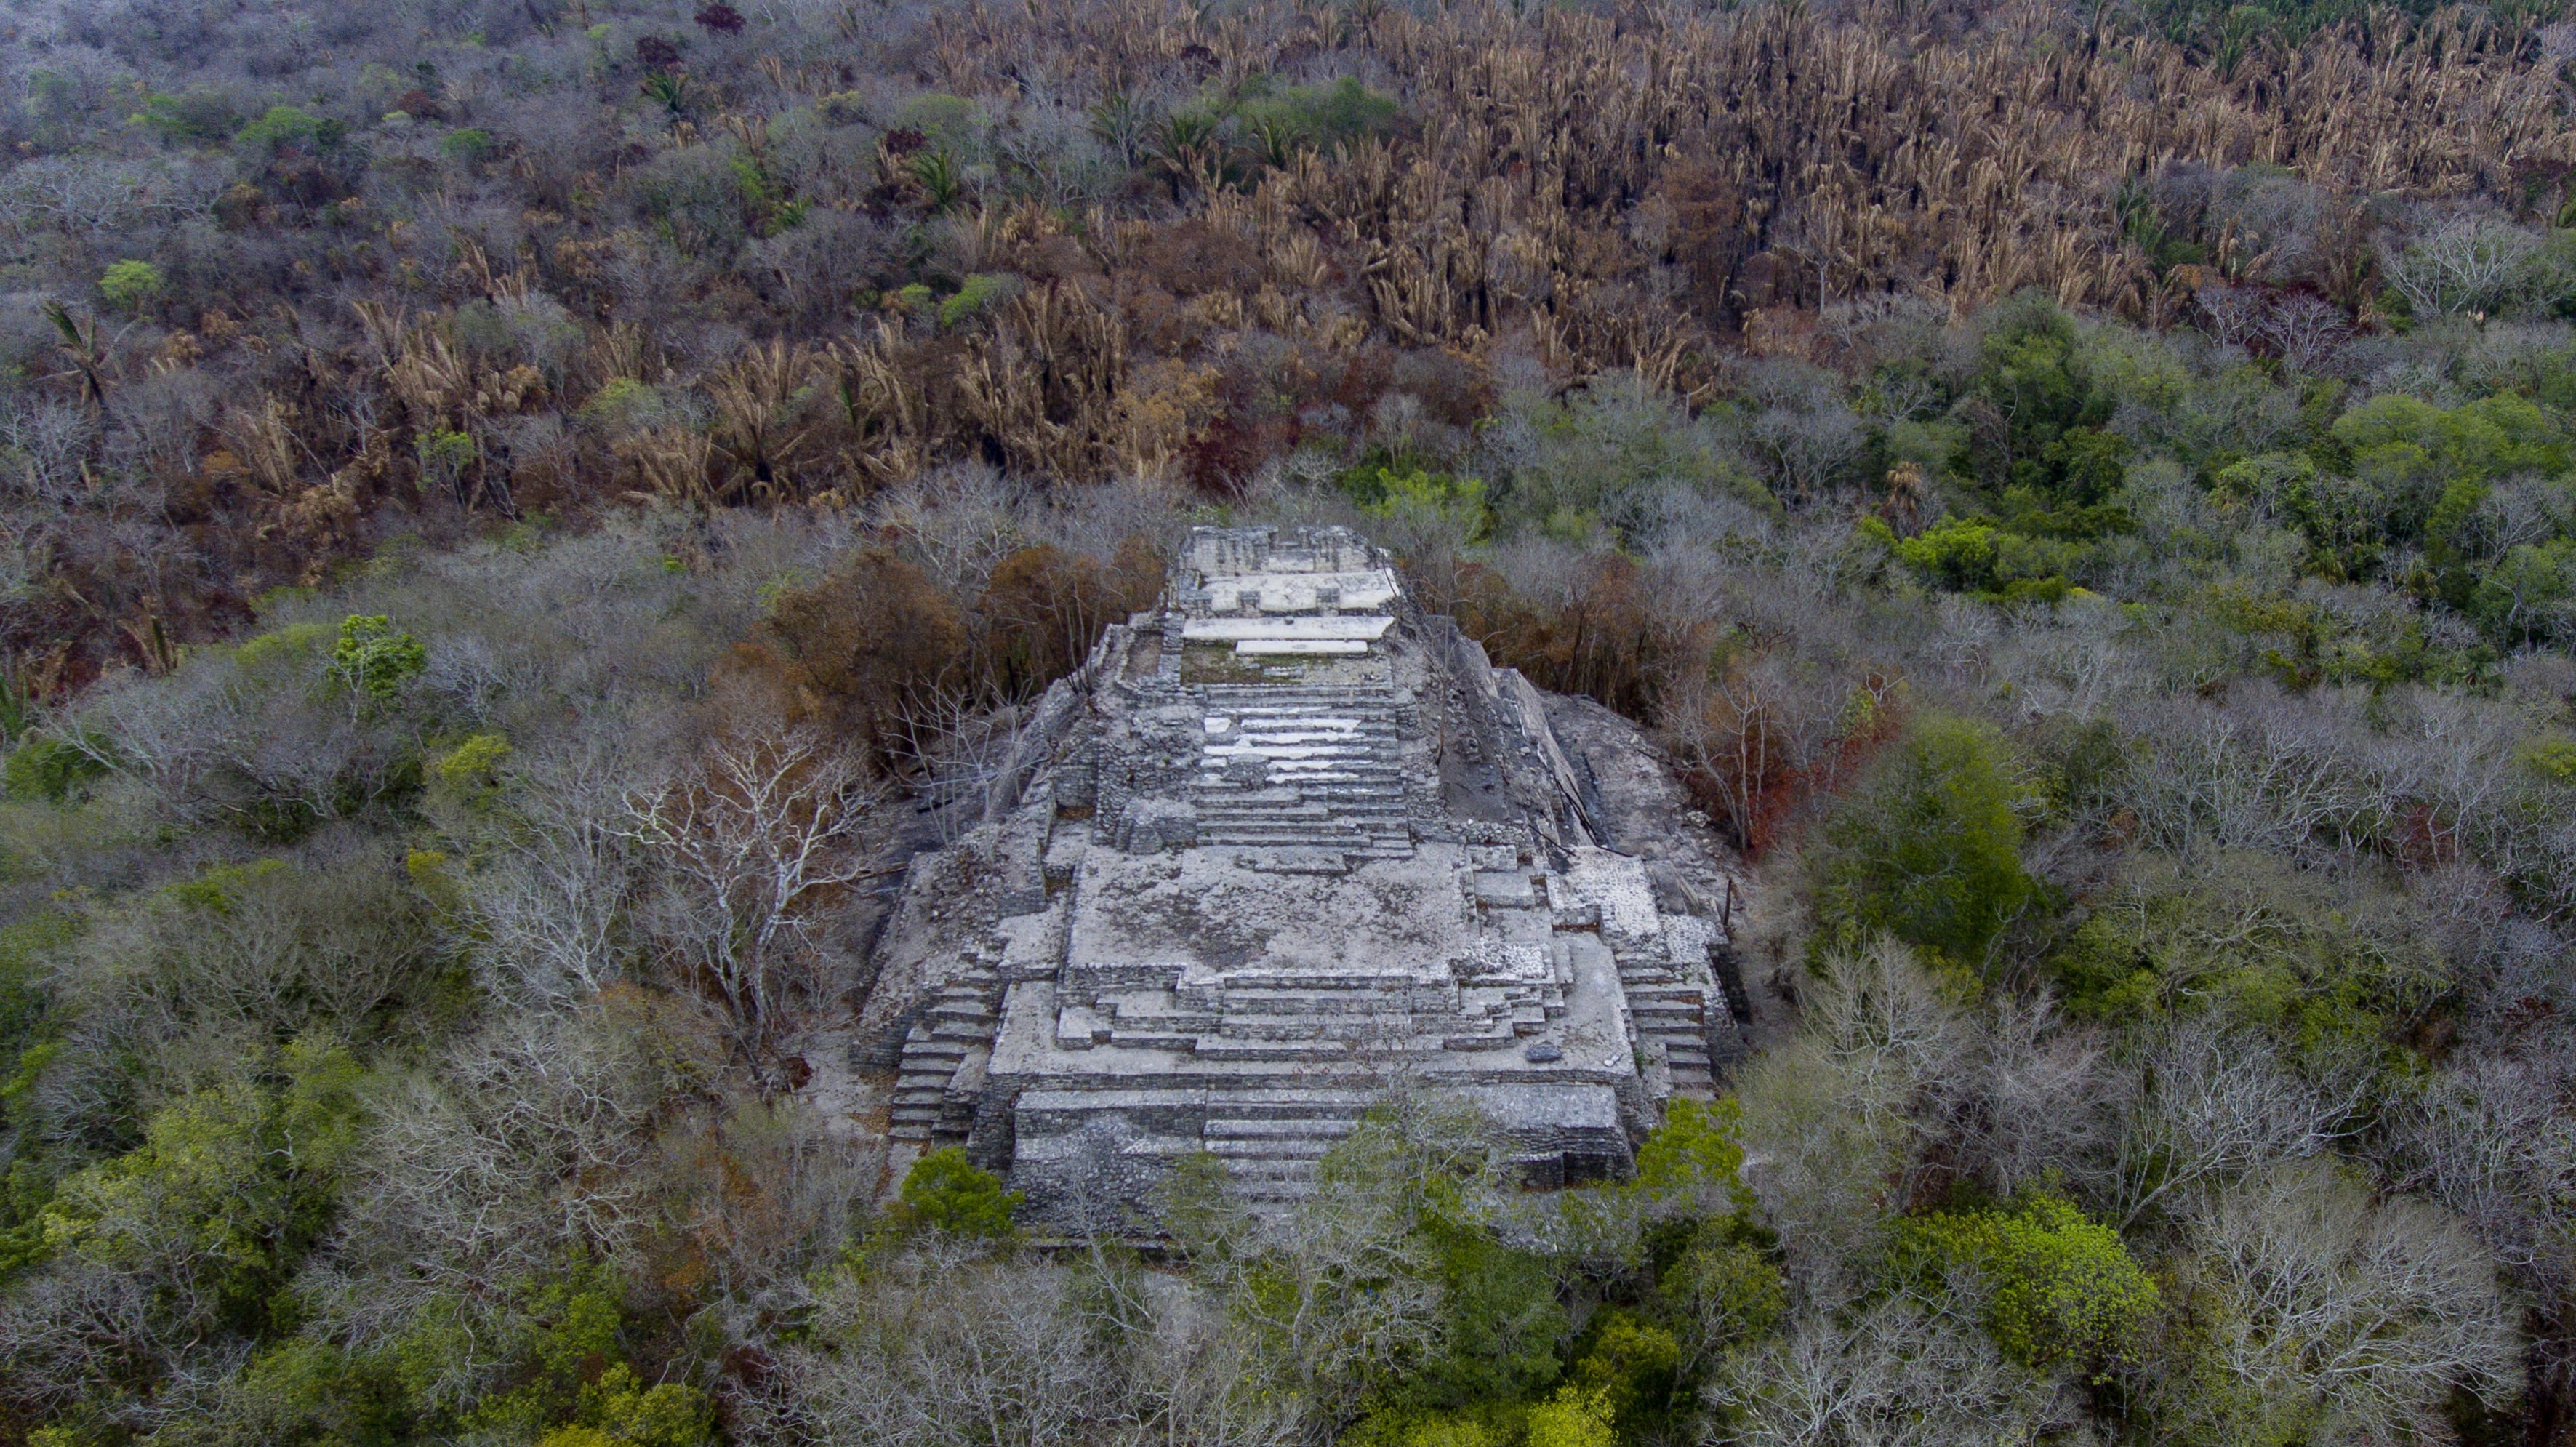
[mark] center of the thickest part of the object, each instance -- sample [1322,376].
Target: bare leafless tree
[2337,1317]
[2305,329]
[962,745]
[1907,1371]
[2461,260]
[2207,1104]
[944,1344]
[2235,313]
[747,840]
[2492,1140]
[1837,1121]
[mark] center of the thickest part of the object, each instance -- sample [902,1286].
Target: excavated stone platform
[1249,882]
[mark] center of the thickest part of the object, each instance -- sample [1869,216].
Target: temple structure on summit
[1282,843]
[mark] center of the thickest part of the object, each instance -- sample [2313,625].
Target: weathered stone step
[1347,994]
[1659,990]
[1323,724]
[1154,1039]
[1338,1025]
[1221,1048]
[1247,830]
[1275,1150]
[1374,812]
[1331,1127]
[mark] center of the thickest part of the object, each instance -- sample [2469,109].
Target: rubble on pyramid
[1282,843]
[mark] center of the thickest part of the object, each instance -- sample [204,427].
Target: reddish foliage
[1603,639]
[1225,456]
[858,645]
[720,19]
[2422,839]
[655,53]
[1751,771]
[1045,608]
[1193,257]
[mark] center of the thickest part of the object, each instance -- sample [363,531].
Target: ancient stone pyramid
[1280,843]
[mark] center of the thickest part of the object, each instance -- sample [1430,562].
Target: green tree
[373,659]
[620,1411]
[1976,557]
[2033,374]
[977,294]
[1927,848]
[130,286]
[943,1192]
[2061,1289]
[1721,1291]
[1573,1418]
[287,128]
[467,146]
[445,458]
[2414,450]
[232,1185]
[1631,1366]
[52,769]
[1500,1323]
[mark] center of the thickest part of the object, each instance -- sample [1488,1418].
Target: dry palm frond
[757,398]
[675,464]
[263,437]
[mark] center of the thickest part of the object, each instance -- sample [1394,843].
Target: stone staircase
[944,1054]
[1271,1140]
[1304,767]
[1671,1012]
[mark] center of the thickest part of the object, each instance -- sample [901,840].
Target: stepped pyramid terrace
[1278,844]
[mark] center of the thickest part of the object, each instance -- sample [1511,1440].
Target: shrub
[1695,1154]
[374,659]
[286,128]
[2061,1289]
[942,1192]
[50,769]
[195,116]
[1433,1429]
[623,406]
[132,285]
[1419,513]
[1321,116]
[2553,759]
[1927,848]
[1966,555]
[469,145]
[981,291]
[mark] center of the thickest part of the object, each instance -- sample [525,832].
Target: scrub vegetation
[516,518]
